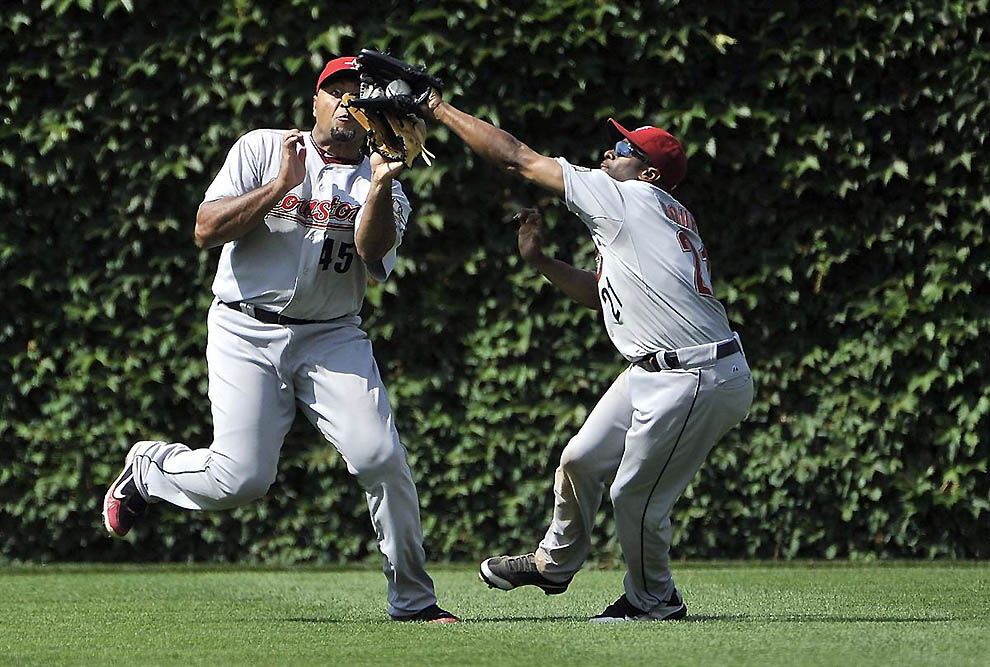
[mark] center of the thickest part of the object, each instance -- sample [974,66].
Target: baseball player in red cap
[687,382]
[304,218]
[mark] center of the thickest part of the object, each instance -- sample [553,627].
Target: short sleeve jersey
[301,260]
[653,277]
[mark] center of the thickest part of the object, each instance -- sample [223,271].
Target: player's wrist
[381,178]
[282,184]
[439,109]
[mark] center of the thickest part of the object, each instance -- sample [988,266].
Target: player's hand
[382,169]
[530,235]
[293,169]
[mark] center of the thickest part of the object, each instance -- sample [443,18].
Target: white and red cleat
[123,504]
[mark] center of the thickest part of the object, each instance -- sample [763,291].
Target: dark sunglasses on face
[625,149]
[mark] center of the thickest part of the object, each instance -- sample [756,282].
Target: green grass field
[760,614]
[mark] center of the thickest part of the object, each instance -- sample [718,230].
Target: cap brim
[616,132]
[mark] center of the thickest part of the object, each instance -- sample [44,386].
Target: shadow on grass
[814,618]
[329,620]
[697,618]
[526,619]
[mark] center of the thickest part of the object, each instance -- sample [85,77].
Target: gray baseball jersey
[301,261]
[653,276]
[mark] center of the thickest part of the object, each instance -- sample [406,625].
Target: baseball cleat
[431,614]
[123,504]
[508,572]
[622,610]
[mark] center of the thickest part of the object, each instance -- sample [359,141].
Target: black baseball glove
[388,105]
[382,70]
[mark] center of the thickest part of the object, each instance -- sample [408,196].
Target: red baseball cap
[660,146]
[336,66]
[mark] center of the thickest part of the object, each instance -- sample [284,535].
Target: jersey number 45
[344,255]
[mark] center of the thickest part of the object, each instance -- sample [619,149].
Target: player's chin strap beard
[342,135]
[329,157]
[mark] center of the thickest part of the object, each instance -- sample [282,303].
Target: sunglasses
[625,149]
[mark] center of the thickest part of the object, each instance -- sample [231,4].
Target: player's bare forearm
[578,284]
[582,286]
[501,148]
[223,220]
[230,218]
[376,234]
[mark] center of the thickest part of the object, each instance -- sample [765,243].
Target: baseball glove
[388,106]
[382,70]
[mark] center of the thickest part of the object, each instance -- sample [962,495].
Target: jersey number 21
[702,283]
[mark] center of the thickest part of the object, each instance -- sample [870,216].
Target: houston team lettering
[317,213]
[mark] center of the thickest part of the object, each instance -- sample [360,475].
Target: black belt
[267,316]
[649,363]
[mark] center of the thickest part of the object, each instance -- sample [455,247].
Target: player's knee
[247,489]
[378,463]
[237,485]
[575,460]
[621,496]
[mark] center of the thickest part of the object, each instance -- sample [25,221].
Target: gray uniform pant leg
[253,408]
[647,437]
[678,417]
[587,465]
[342,394]
[258,373]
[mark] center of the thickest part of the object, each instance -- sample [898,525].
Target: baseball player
[687,382]
[304,218]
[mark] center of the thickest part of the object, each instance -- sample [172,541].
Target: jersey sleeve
[401,210]
[241,171]
[595,198]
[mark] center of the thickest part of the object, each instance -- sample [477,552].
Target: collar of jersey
[330,158]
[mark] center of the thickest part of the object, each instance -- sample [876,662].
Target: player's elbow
[517,160]
[374,238]
[204,236]
[370,252]
[539,169]
[201,239]
[588,294]
[590,300]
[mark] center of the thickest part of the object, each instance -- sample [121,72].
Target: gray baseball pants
[644,441]
[259,373]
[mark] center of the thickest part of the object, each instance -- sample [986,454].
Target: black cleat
[508,572]
[123,504]
[622,610]
[431,614]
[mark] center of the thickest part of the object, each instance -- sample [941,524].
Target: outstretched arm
[498,146]
[581,286]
